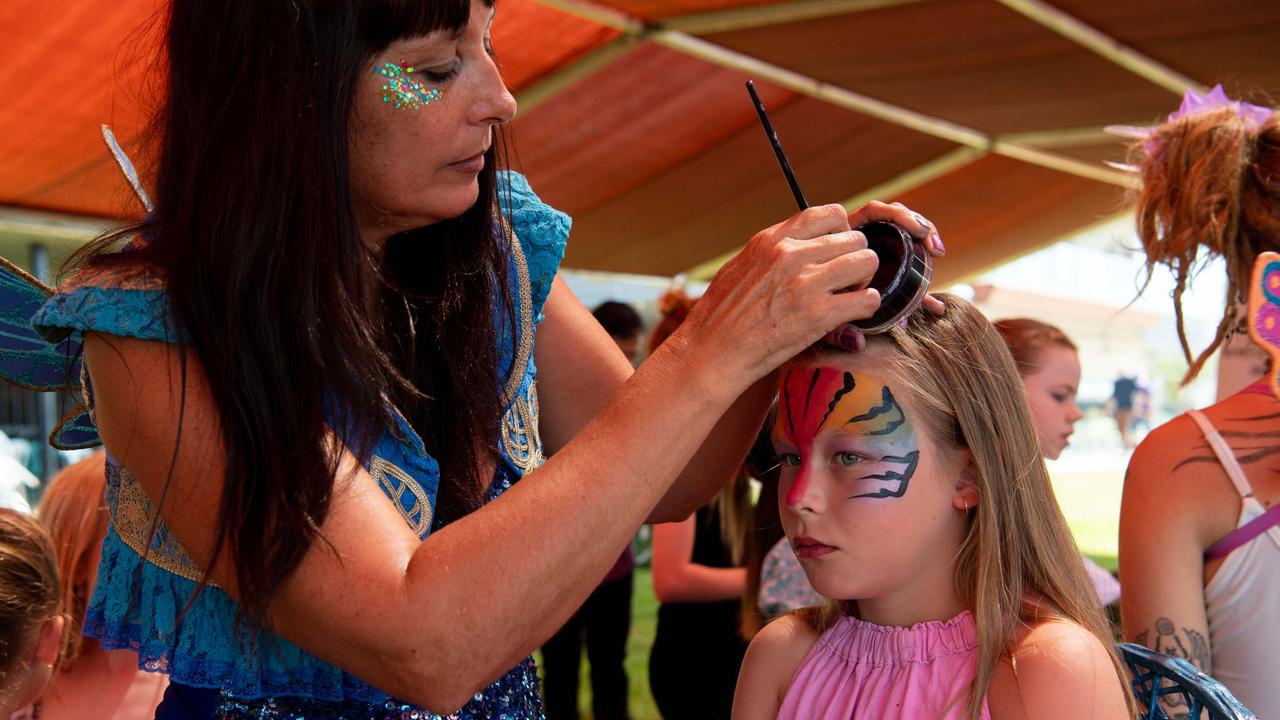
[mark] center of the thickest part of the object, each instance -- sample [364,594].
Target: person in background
[1049,366]
[90,681]
[623,324]
[30,626]
[604,620]
[698,578]
[1199,533]
[1123,392]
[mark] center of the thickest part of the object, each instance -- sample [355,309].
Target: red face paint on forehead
[814,399]
[809,395]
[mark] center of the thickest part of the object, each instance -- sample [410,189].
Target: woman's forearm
[552,536]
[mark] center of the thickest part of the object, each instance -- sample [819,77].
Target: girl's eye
[1060,398]
[789,460]
[847,458]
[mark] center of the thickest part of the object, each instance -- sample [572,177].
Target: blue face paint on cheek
[402,90]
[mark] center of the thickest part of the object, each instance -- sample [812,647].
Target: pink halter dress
[860,670]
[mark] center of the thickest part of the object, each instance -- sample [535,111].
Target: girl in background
[91,681]
[698,578]
[1049,366]
[30,626]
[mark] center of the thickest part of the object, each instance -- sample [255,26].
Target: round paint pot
[902,278]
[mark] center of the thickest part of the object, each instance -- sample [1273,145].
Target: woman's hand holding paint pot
[920,228]
[783,292]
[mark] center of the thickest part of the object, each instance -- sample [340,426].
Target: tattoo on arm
[1189,645]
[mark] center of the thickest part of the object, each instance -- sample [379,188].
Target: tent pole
[765,15]
[913,178]
[836,95]
[589,64]
[1108,47]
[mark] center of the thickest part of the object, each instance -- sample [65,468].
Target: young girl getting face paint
[850,493]
[915,496]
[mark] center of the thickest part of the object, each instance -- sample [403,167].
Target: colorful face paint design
[404,91]
[827,399]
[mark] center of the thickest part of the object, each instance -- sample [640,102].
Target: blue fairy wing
[77,431]
[26,358]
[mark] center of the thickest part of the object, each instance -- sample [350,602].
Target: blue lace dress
[225,668]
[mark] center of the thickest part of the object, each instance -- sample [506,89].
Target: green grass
[1090,500]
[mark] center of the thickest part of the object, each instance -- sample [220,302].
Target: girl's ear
[49,641]
[966,491]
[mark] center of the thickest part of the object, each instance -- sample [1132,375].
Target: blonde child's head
[918,461]
[74,512]
[30,626]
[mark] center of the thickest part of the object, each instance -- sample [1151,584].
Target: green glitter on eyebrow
[404,92]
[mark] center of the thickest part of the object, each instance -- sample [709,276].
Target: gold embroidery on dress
[133,517]
[396,482]
[524,338]
[520,438]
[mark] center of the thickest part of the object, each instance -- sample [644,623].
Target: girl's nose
[803,494]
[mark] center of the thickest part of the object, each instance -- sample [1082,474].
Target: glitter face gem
[402,90]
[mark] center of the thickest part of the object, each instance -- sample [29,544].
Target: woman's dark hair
[296,322]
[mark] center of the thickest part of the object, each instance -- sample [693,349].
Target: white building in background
[1089,286]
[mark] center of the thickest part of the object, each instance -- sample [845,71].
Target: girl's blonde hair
[75,513]
[1209,180]
[1018,563]
[28,590]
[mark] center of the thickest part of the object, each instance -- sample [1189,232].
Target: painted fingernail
[937,243]
[921,219]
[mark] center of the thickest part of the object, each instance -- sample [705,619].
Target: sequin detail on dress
[514,697]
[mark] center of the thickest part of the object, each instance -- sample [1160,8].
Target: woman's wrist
[704,371]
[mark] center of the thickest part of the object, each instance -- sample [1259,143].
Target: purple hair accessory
[1193,103]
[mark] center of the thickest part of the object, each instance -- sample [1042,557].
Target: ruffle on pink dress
[860,670]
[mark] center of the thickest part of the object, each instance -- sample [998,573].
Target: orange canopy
[984,115]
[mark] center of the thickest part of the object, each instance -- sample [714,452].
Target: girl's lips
[808,548]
